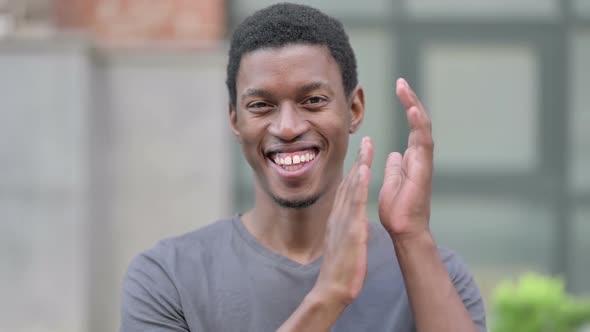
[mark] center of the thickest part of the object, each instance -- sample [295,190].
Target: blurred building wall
[132,22]
[44,186]
[103,154]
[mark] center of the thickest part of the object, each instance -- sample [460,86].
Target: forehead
[288,66]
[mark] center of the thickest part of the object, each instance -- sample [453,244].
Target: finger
[367,157]
[394,174]
[364,156]
[344,189]
[406,94]
[418,120]
[359,156]
[411,103]
[362,189]
[402,91]
[358,161]
[348,197]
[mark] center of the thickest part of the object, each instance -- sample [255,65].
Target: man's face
[293,121]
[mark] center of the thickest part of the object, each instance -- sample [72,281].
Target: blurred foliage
[537,303]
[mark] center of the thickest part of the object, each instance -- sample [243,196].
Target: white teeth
[294,159]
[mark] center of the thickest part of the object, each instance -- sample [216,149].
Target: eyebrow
[254,92]
[306,88]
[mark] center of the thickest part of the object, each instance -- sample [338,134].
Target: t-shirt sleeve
[466,287]
[150,301]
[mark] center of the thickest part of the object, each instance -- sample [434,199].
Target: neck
[295,233]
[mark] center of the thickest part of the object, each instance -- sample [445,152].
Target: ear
[233,121]
[357,108]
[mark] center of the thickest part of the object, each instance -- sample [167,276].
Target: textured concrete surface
[102,155]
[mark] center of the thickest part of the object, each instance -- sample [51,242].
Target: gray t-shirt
[220,278]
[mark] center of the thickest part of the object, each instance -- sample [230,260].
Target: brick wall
[140,22]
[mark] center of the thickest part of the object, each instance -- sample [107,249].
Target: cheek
[337,135]
[248,137]
[342,146]
[251,137]
[249,129]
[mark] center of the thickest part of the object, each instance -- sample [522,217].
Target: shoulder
[162,264]
[172,255]
[465,285]
[169,250]
[201,237]
[192,243]
[151,287]
[453,262]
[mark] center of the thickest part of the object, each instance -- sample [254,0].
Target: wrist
[317,312]
[325,302]
[411,240]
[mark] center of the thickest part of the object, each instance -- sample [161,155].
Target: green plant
[537,304]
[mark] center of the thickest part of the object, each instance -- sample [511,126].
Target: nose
[288,123]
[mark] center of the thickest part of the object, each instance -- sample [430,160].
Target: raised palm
[404,201]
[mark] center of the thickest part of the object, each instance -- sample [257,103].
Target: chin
[295,203]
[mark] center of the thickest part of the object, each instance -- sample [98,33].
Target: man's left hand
[404,201]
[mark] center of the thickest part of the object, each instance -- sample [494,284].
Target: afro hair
[286,23]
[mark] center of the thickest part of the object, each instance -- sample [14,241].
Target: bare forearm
[315,313]
[435,302]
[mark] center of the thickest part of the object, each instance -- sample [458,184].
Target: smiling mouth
[292,161]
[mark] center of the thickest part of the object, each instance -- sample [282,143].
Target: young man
[305,257]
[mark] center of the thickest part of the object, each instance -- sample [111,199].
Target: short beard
[295,204]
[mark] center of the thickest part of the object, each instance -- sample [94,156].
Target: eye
[257,104]
[259,107]
[313,100]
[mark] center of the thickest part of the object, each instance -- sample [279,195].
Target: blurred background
[114,135]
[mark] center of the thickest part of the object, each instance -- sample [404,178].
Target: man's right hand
[344,263]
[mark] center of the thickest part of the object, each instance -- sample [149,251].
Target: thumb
[393,175]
